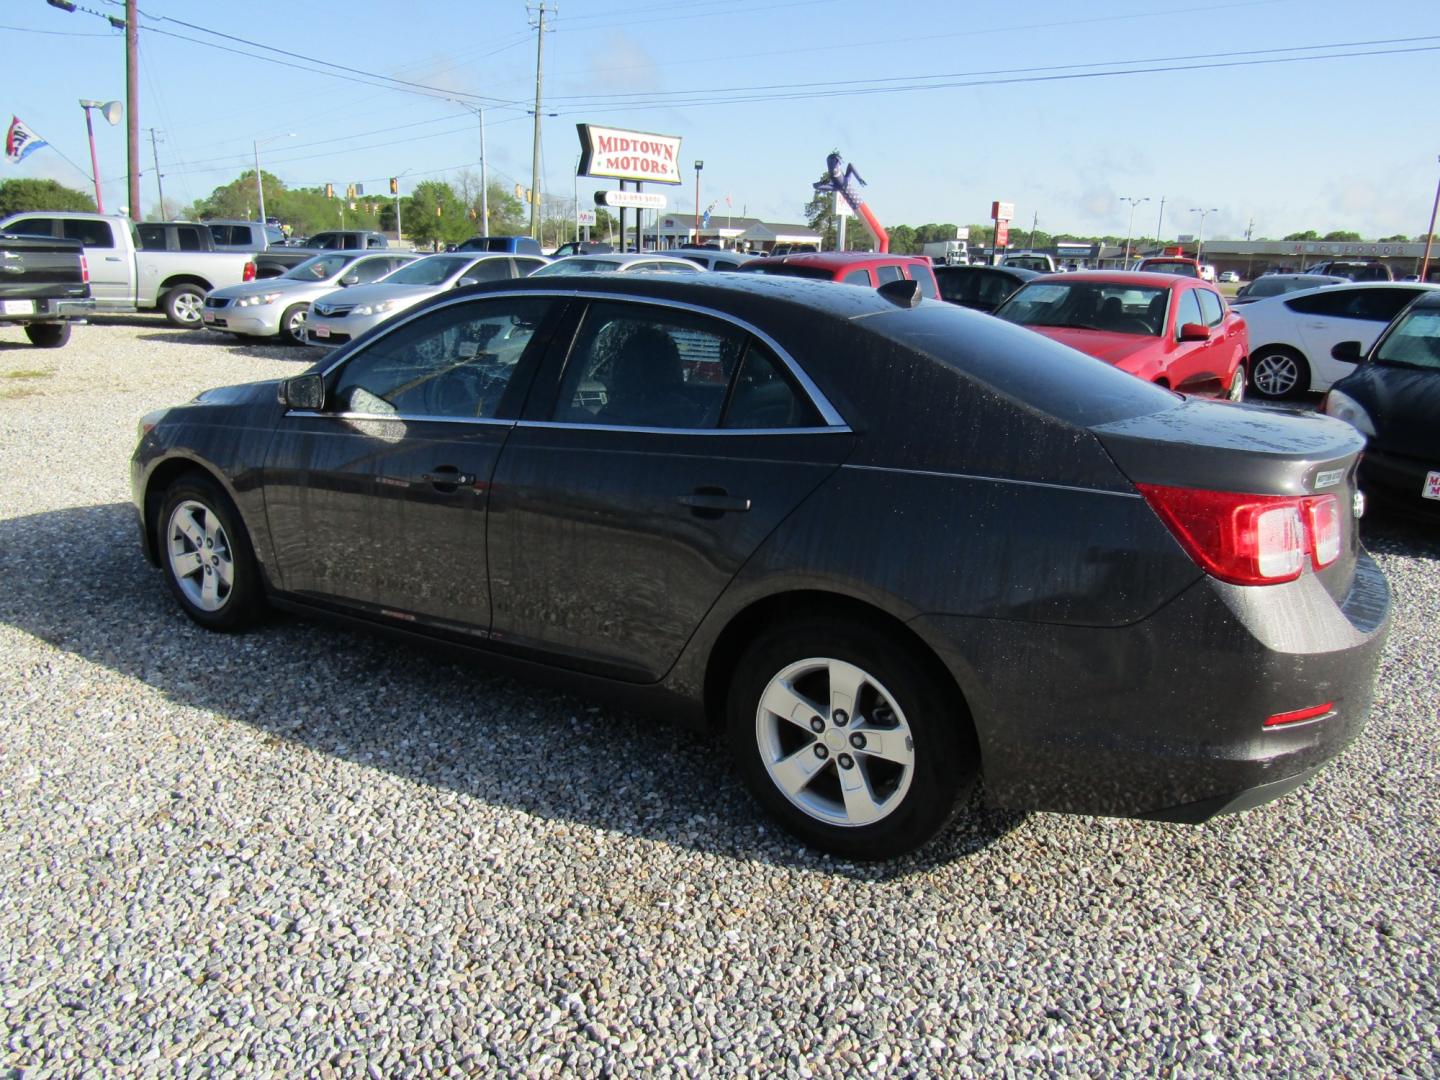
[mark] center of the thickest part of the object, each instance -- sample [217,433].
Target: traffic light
[394,185]
[329,191]
[473,213]
[519,193]
[350,192]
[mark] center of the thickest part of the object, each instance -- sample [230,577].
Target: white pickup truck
[125,278]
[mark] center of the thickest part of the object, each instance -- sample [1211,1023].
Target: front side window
[374,242]
[1211,309]
[452,363]
[1188,310]
[317,268]
[435,270]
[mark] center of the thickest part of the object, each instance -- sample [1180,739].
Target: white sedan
[617,263]
[1291,336]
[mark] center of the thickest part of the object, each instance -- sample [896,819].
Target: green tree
[902,240]
[1308,234]
[21,196]
[434,215]
[1397,238]
[1342,235]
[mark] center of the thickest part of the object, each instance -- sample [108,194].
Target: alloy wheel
[296,326]
[189,307]
[835,742]
[1275,374]
[200,556]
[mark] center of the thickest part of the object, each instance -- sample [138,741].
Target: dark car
[983,288]
[1269,285]
[1350,270]
[888,543]
[1393,399]
[582,247]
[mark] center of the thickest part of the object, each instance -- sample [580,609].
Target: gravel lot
[310,852]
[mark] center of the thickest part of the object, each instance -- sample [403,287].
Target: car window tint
[888,273]
[152,237]
[923,275]
[957,286]
[370,269]
[221,234]
[373,242]
[856,277]
[1332,302]
[94,234]
[994,288]
[1211,308]
[455,362]
[32,227]
[766,397]
[1188,310]
[489,270]
[648,367]
[1380,305]
[189,237]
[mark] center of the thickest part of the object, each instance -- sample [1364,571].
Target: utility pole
[1034,224]
[132,104]
[1134,201]
[1430,236]
[535,147]
[159,187]
[1160,223]
[1250,256]
[484,178]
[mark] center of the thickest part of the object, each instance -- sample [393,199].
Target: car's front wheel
[1278,372]
[852,743]
[206,554]
[292,324]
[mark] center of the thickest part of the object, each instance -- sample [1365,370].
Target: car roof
[1353,286]
[835,260]
[624,258]
[1120,277]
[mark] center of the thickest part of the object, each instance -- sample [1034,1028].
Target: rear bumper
[1166,718]
[51,310]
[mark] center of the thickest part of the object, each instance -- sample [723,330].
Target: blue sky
[958,103]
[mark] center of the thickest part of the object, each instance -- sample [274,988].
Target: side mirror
[464,281]
[303,392]
[1347,351]
[1244,290]
[1194,331]
[348,280]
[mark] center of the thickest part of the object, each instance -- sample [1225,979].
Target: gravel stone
[304,851]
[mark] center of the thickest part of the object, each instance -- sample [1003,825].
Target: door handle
[447,478]
[112,258]
[712,502]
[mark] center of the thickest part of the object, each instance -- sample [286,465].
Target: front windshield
[1091,305]
[435,270]
[566,267]
[1415,342]
[317,268]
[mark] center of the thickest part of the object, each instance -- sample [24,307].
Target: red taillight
[84,270]
[1249,539]
[249,272]
[1300,715]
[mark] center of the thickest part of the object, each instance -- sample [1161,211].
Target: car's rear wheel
[184,306]
[852,743]
[206,554]
[48,335]
[292,323]
[1278,372]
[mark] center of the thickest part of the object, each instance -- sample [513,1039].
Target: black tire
[242,603]
[183,306]
[1278,372]
[945,760]
[48,335]
[292,324]
[1236,392]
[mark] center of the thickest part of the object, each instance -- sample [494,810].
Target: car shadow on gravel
[76,578]
[270,349]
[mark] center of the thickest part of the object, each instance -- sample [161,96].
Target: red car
[1174,331]
[852,268]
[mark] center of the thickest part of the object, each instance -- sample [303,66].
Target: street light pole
[698,166]
[1200,237]
[1130,229]
[111,111]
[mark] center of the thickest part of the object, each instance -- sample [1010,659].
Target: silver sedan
[340,316]
[279,306]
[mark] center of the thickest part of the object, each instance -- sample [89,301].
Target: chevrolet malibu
[890,545]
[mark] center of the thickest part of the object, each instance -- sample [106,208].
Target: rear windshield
[1183,269]
[1023,365]
[1089,305]
[788,270]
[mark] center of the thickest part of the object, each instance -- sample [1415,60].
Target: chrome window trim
[416,418]
[993,480]
[568,425]
[828,412]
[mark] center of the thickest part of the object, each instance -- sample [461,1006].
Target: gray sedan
[337,317]
[279,306]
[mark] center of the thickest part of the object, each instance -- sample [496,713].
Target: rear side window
[370,269]
[374,242]
[152,237]
[923,275]
[35,226]
[857,277]
[764,396]
[888,273]
[94,234]
[189,237]
[1330,302]
[489,270]
[528,266]
[958,287]
[1211,307]
[221,234]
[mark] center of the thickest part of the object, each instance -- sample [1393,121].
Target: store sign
[1002,211]
[629,155]
[585,217]
[643,200]
[1002,233]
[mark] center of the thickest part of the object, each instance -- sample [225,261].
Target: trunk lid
[1218,446]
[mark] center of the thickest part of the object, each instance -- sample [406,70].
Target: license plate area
[321,331]
[1431,488]
[17,307]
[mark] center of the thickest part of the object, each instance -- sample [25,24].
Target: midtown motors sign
[629,155]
